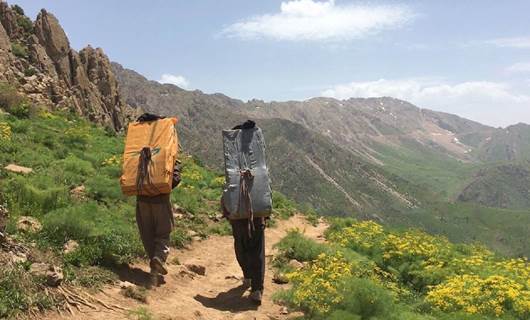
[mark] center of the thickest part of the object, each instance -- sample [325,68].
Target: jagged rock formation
[37,59]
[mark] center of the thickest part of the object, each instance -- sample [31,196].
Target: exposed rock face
[54,75]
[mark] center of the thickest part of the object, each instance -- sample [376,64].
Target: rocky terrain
[36,58]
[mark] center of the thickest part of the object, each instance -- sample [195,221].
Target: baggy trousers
[250,250]
[155,222]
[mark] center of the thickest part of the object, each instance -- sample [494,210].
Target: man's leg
[256,255]
[163,217]
[145,226]
[240,233]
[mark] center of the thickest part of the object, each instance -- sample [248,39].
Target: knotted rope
[245,183]
[143,168]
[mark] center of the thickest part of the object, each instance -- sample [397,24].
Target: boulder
[70,246]
[196,268]
[17,257]
[18,169]
[53,275]
[78,193]
[126,284]
[28,224]
[280,278]
[295,264]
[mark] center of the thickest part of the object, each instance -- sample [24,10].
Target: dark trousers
[155,222]
[250,250]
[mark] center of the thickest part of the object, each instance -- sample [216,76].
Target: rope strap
[245,183]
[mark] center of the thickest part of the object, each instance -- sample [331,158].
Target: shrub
[5,131]
[19,50]
[71,170]
[9,97]
[365,299]
[104,188]
[34,196]
[25,23]
[179,237]
[18,9]
[19,292]
[296,246]
[283,207]
[30,72]
[105,236]
[76,137]
[493,295]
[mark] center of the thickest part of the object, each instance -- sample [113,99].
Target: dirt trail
[214,296]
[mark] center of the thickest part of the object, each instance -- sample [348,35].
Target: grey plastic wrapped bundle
[244,152]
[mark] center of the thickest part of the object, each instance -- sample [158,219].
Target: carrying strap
[143,170]
[245,182]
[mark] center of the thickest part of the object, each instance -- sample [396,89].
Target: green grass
[428,168]
[65,152]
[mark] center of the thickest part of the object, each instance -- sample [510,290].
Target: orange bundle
[151,149]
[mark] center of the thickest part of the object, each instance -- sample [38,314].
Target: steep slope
[36,58]
[501,186]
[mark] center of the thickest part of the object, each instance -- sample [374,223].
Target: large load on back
[247,191]
[151,148]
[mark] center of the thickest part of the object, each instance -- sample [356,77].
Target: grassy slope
[503,185]
[66,152]
[428,168]
[366,271]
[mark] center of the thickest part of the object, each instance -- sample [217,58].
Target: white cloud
[321,20]
[515,42]
[489,102]
[520,67]
[177,80]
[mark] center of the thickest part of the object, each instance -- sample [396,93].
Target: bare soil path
[215,296]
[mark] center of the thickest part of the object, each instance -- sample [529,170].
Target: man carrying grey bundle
[247,201]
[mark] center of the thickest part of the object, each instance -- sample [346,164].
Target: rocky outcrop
[52,74]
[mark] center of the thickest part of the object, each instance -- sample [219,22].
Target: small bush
[297,246]
[30,72]
[105,237]
[9,97]
[140,314]
[222,228]
[19,50]
[365,299]
[18,9]
[25,23]
[136,293]
[19,292]
[179,238]
[283,207]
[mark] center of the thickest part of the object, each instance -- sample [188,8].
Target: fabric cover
[162,138]
[245,149]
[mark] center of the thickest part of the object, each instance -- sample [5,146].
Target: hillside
[367,271]
[501,186]
[509,144]
[305,165]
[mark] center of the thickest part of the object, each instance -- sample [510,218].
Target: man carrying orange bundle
[151,171]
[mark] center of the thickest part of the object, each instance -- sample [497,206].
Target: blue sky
[469,57]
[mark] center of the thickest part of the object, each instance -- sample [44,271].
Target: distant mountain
[501,186]
[307,166]
[509,144]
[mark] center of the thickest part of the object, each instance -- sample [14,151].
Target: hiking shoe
[157,265]
[256,296]
[247,283]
